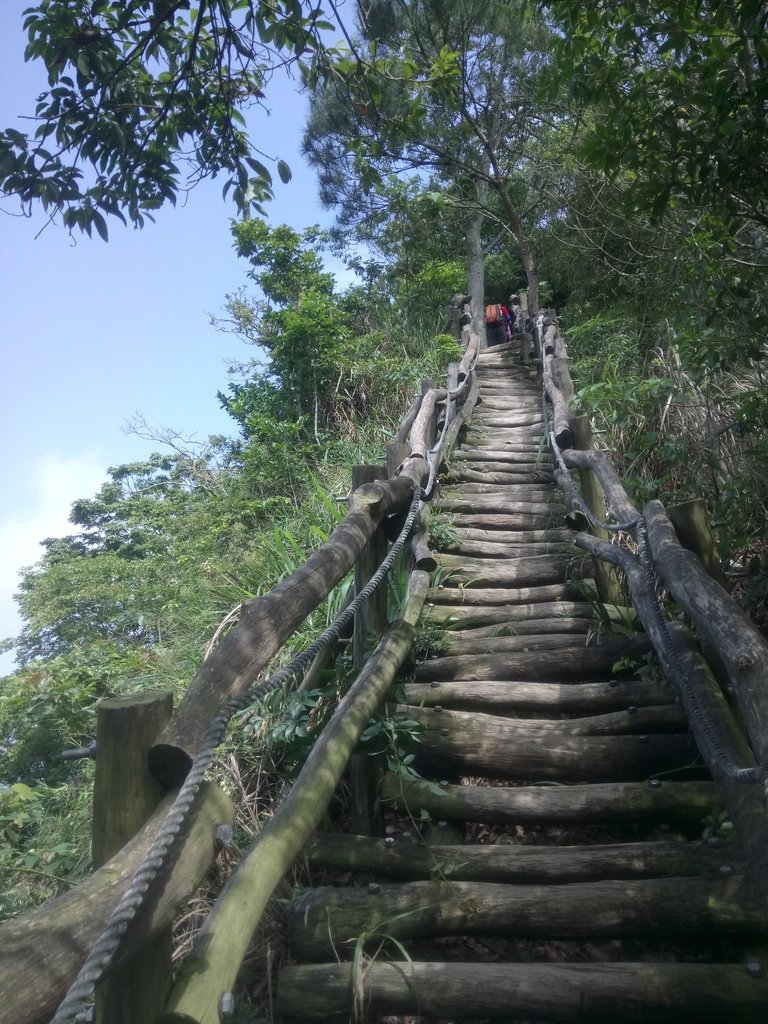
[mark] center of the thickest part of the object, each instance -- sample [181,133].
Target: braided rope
[74,1005]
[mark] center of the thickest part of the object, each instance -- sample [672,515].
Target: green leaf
[284,171]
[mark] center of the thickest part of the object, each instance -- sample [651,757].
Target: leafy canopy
[145,99]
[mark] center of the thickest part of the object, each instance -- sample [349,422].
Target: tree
[680,90]
[675,100]
[438,87]
[145,99]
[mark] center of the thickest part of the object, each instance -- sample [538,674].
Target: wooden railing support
[370,624]
[606,577]
[694,531]
[267,622]
[125,795]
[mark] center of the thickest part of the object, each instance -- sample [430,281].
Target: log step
[556,756]
[634,804]
[488,729]
[633,993]
[480,596]
[574,661]
[461,617]
[405,859]
[329,919]
[486,550]
[501,697]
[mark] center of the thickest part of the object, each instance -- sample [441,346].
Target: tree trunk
[476,273]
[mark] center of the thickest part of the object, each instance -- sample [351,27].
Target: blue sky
[92,333]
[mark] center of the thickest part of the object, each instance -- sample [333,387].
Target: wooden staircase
[551,865]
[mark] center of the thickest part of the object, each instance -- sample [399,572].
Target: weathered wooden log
[125,794]
[445,450]
[42,951]
[510,521]
[519,492]
[516,863]
[606,578]
[573,662]
[560,425]
[470,356]
[513,636]
[502,596]
[423,555]
[511,537]
[558,757]
[494,552]
[501,504]
[493,729]
[617,500]
[368,626]
[406,422]
[371,621]
[396,454]
[633,993]
[694,531]
[742,650]
[488,419]
[327,920]
[537,571]
[267,622]
[517,698]
[489,476]
[222,943]
[620,803]
[501,435]
[449,407]
[422,431]
[469,616]
[504,459]
[562,377]
[524,450]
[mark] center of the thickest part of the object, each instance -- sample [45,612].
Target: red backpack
[493,314]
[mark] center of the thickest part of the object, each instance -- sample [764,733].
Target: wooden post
[124,796]
[369,626]
[694,531]
[453,383]
[428,385]
[606,576]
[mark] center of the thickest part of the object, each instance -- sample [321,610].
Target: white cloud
[53,483]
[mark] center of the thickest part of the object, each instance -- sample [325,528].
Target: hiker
[507,318]
[494,324]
